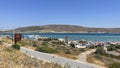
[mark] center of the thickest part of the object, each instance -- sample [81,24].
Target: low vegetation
[101,57]
[11,58]
[72,45]
[114,65]
[46,50]
[8,40]
[51,45]
[111,48]
[100,51]
[16,46]
[0,42]
[54,46]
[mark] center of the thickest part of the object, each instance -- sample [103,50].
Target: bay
[101,37]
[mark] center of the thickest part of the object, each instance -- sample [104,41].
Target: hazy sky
[91,13]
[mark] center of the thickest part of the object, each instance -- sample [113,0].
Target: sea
[94,37]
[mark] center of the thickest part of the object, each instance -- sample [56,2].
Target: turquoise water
[79,36]
[85,36]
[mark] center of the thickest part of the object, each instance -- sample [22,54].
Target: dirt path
[83,56]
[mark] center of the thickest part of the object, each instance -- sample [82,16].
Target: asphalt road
[55,59]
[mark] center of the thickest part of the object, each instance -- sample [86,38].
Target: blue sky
[90,13]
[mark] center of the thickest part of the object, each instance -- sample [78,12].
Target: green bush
[118,46]
[114,65]
[16,46]
[111,48]
[72,45]
[46,50]
[0,42]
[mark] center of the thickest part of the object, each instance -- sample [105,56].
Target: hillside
[66,28]
[11,58]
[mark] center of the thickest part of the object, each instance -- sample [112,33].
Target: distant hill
[65,28]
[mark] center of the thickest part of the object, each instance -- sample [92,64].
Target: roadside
[60,60]
[53,47]
[11,58]
[56,59]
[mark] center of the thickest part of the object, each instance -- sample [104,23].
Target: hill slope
[66,28]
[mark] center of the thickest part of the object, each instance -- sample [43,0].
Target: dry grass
[61,49]
[10,58]
[28,44]
[8,40]
[74,57]
[101,60]
[92,59]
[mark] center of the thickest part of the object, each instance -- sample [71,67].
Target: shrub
[46,50]
[0,42]
[67,52]
[100,51]
[34,44]
[118,46]
[114,65]
[111,48]
[72,45]
[16,46]
[44,43]
[91,47]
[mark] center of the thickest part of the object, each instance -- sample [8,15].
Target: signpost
[17,37]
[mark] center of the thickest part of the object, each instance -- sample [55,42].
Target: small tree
[16,46]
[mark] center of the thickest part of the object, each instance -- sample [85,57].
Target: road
[55,59]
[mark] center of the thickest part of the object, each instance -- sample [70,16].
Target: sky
[89,13]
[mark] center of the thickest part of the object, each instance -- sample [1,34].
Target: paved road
[55,59]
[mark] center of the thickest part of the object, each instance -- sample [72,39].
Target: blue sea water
[79,36]
[85,36]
